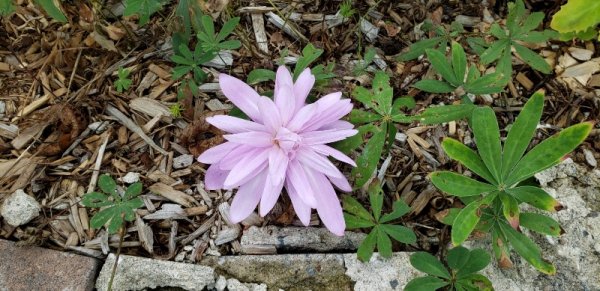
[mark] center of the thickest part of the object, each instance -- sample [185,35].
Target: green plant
[519,29]
[577,19]
[346,9]
[453,75]
[461,273]
[190,62]
[6,7]
[213,42]
[493,205]
[176,110]
[123,83]
[378,122]
[115,208]
[143,8]
[53,9]
[439,41]
[356,216]
[361,67]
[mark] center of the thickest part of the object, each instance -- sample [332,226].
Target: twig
[96,172]
[133,127]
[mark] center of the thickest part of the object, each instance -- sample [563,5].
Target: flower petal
[236,155]
[270,195]
[328,204]
[284,100]
[304,115]
[241,95]
[247,168]
[214,177]
[341,183]
[282,78]
[326,136]
[302,210]
[329,151]
[233,124]
[338,124]
[247,197]
[251,138]
[329,115]
[278,164]
[270,114]
[309,158]
[296,177]
[302,87]
[216,153]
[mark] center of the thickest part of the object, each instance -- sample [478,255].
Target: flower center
[287,140]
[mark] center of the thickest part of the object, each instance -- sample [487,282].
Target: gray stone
[221,283]
[288,272]
[301,239]
[379,273]
[31,268]
[19,208]
[182,161]
[135,273]
[131,177]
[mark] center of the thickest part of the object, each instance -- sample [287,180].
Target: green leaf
[133,190]
[500,247]
[354,222]
[309,55]
[541,223]
[516,11]
[260,75]
[449,216]
[434,86]
[527,249]
[457,257]
[476,282]
[576,15]
[418,48]
[116,222]
[382,93]
[532,21]
[532,59]
[468,157]
[446,113]
[354,207]
[487,138]
[180,71]
[488,84]
[351,143]
[102,217]
[6,7]
[376,199]
[521,132]
[399,208]
[370,156]
[130,205]
[534,37]
[536,197]
[406,102]
[465,222]
[478,259]
[95,199]
[107,185]
[384,244]
[459,61]
[441,65]
[366,248]
[549,152]
[429,264]
[208,26]
[231,44]
[459,185]
[497,31]
[493,52]
[399,233]
[428,283]
[510,209]
[227,28]
[143,8]
[53,9]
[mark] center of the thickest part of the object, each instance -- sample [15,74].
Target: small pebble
[221,283]
[131,178]
[401,137]
[589,158]
[19,208]
[182,161]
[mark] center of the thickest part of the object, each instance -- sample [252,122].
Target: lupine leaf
[400,233]
[309,54]
[384,244]
[102,217]
[358,116]
[429,264]
[493,52]
[465,222]
[459,61]
[434,86]
[477,282]
[370,156]
[349,144]
[549,152]
[6,7]
[406,102]
[446,113]
[457,257]
[510,209]
[366,248]
[95,199]
[487,138]
[428,283]
[468,157]
[527,249]
[459,185]
[500,248]
[532,59]
[541,223]
[354,207]
[399,208]
[260,75]
[53,9]
[143,8]
[227,28]
[376,199]
[418,48]
[535,197]
[133,190]
[477,260]
[108,185]
[382,93]
[354,222]
[522,132]
[442,66]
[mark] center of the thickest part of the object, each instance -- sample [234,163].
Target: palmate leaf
[468,157]
[487,138]
[474,282]
[576,16]
[429,264]
[441,65]
[444,113]
[549,152]
[535,197]
[465,222]
[459,185]
[143,8]
[459,61]
[532,59]
[400,233]
[527,249]
[354,207]
[376,199]
[477,260]
[510,209]
[382,93]
[500,248]
[108,185]
[434,86]
[358,116]
[6,7]
[427,283]
[418,48]
[494,51]
[399,208]
[354,222]
[366,248]
[521,132]
[309,54]
[260,75]
[370,156]
[541,223]
[457,257]
[384,244]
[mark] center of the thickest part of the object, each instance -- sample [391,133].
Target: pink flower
[283,145]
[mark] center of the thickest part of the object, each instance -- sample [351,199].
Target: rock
[301,239]
[19,208]
[131,177]
[288,272]
[235,285]
[136,273]
[33,268]
[589,158]
[371,31]
[221,283]
[182,161]
[379,273]
[577,252]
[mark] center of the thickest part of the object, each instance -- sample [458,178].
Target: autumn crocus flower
[284,145]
